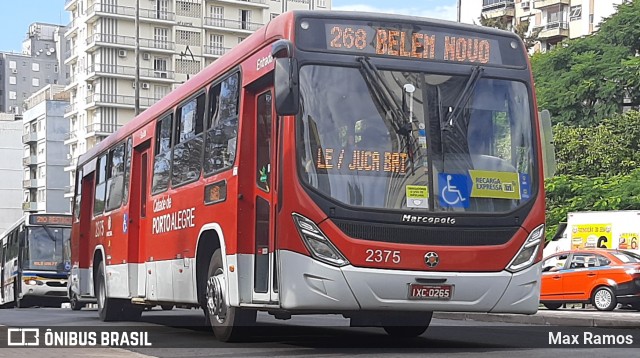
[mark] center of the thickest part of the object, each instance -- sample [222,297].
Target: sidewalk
[575,317]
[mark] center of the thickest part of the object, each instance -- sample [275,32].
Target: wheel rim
[216,305]
[602,299]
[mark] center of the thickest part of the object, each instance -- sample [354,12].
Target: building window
[575,13]
[13,80]
[12,65]
[217,15]
[41,196]
[161,37]
[321,3]
[13,95]
[35,67]
[35,82]
[245,19]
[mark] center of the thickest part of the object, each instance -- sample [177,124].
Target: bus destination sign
[411,41]
[48,219]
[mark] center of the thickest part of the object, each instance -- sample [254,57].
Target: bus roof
[280,27]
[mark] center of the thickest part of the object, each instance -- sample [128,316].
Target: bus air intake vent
[404,234]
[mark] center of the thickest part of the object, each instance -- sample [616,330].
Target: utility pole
[459,10]
[137,54]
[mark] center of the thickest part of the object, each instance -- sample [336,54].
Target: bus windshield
[48,248]
[390,139]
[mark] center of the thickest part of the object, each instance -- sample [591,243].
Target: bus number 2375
[383,256]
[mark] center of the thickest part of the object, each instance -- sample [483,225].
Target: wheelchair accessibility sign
[453,190]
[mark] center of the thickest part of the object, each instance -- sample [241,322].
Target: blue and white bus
[35,257]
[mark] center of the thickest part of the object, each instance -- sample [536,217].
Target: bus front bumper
[315,286]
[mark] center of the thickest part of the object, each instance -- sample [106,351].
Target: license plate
[430,292]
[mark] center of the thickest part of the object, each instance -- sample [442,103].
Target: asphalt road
[181,331]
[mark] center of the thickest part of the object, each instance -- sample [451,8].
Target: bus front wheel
[228,323]
[109,309]
[407,325]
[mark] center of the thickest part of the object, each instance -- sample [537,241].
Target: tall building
[45,155]
[39,64]
[10,170]
[554,20]
[177,38]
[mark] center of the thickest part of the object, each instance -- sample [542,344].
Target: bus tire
[407,325]
[109,309]
[19,302]
[131,312]
[229,324]
[74,303]
[166,307]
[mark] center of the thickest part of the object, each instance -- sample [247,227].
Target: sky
[17,15]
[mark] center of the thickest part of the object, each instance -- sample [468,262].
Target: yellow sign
[628,240]
[589,236]
[498,185]
[417,196]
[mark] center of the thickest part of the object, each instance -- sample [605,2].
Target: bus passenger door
[138,219]
[265,287]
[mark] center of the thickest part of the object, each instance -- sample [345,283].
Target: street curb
[541,318]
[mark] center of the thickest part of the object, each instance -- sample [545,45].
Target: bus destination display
[413,41]
[45,219]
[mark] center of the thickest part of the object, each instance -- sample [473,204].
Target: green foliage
[581,82]
[610,148]
[568,193]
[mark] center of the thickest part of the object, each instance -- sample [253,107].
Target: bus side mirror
[548,149]
[287,91]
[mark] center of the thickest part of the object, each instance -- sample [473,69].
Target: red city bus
[379,167]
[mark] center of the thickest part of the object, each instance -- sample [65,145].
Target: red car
[601,277]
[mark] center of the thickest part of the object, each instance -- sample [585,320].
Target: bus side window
[78,198]
[115,178]
[222,125]
[101,183]
[187,150]
[127,170]
[162,160]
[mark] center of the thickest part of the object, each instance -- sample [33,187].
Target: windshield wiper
[463,98]
[383,95]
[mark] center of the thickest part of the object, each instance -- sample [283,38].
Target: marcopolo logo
[428,219]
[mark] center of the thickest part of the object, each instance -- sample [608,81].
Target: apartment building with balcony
[176,39]
[39,64]
[10,170]
[552,20]
[44,154]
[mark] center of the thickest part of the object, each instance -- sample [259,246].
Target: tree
[611,148]
[521,28]
[585,80]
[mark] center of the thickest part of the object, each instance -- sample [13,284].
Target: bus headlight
[33,282]
[317,242]
[524,258]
